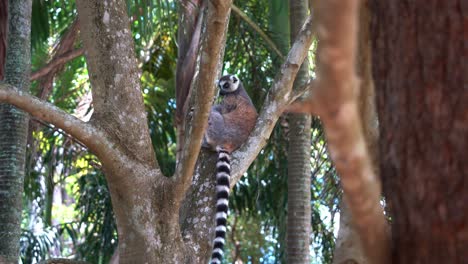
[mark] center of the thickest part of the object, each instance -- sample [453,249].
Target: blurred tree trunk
[299,171]
[420,72]
[348,248]
[13,130]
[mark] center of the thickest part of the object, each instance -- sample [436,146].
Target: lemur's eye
[226,85]
[234,80]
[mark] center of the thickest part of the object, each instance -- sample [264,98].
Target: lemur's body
[229,126]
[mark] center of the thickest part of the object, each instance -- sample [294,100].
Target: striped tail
[223,174]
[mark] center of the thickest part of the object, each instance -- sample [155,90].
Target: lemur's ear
[217,82]
[234,79]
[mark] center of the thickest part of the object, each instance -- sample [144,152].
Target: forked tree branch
[278,98]
[86,133]
[201,96]
[336,102]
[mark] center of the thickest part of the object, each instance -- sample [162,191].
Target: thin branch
[86,133]
[336,102]
[257,29]
[278,98]
[60,60]
[203,91]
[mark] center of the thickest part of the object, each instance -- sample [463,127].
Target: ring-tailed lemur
[229,126]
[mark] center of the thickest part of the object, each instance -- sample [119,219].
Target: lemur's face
[228,84]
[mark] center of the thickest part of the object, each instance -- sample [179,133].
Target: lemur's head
[228,84]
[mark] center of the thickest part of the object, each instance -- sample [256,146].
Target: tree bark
[3,35]
[348,247]
[299,170]
[13,130]
[420,73]
[188,39]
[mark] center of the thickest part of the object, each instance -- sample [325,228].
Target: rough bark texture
[13,131]
[299,170]
[299,211]
[3,35]
[115,77]
[420,73]
[197,214]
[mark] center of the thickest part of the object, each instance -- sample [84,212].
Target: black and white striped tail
[223,174]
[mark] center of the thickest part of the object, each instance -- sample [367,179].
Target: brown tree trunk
[14,131]
[348,247]
[420,74]
[299,170]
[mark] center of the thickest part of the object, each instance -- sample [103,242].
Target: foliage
[35,245]
[96,225]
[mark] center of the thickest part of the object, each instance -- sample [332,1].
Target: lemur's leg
[214,133]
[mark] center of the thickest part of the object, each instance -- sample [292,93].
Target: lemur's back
[232,120]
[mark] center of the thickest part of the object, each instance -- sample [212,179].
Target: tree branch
[203,90]
[278,98]
[60,60]
[336,102]
[188,37]
[86,133]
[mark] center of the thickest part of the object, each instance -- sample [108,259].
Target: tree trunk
[299,171]
[197,214]
[3,35]
[420,73]
[348,248]
[13,131]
